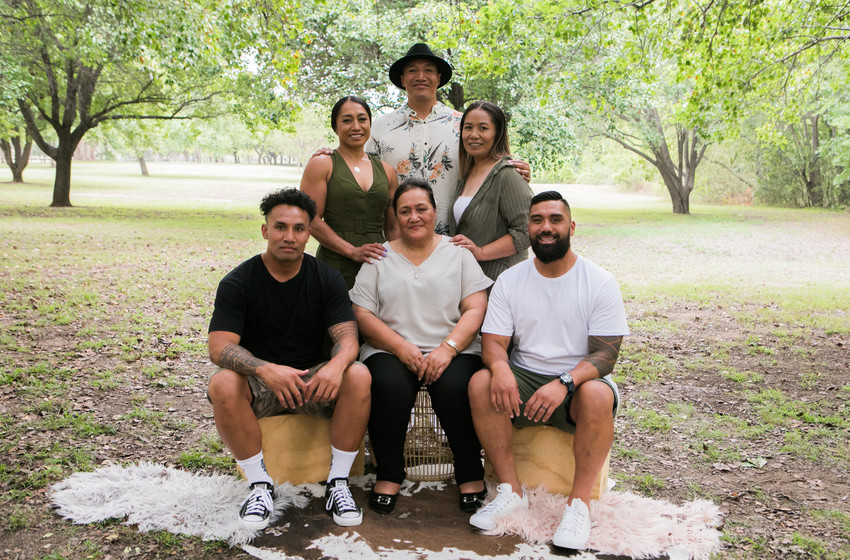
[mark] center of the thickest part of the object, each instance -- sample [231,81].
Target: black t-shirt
[282,322]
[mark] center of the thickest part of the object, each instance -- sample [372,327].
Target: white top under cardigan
[421,303]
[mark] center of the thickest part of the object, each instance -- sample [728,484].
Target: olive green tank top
[354,214]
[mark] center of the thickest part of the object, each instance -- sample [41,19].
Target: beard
[553,252]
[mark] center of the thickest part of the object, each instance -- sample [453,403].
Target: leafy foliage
[76,64]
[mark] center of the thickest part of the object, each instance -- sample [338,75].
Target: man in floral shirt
[420,139]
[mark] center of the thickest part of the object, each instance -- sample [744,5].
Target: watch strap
[453,345]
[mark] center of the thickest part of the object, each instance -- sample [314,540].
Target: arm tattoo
[236,358]
[339,333]
[603,353]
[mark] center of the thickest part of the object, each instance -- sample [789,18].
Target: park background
[704,148]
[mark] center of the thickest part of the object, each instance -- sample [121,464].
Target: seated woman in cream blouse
[419,310]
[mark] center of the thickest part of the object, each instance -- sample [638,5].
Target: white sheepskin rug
[159,498]
[625,524]
[156,497]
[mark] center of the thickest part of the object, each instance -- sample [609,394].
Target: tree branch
[631,148]
[34,132]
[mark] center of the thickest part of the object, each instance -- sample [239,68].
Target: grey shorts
[265,403]
[528,382]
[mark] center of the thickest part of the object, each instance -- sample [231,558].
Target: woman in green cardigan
[489,212]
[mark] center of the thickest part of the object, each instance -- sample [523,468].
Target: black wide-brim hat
[420,51]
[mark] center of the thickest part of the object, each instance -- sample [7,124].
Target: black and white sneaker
[257,509]
[340,504]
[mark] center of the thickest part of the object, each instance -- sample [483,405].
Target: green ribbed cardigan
[500,206]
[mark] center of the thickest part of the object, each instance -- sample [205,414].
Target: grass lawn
[735,381]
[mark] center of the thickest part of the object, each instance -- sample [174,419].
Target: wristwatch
[567,381]
[453,345]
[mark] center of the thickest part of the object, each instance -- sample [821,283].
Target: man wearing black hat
[420,139]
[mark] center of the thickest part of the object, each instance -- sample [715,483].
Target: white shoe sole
[348,521]
[480,525]
[256,525]
[571,544]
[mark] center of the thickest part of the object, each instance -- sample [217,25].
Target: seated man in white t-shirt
[566,318]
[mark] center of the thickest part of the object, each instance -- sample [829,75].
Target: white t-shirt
[551,318]
[421,303]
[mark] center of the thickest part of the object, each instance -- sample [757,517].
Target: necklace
[430,250]
[355,166]
[485,167]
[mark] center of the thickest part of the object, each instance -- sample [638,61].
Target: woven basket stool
[427,456]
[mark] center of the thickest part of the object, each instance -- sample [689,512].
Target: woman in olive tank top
[352,190]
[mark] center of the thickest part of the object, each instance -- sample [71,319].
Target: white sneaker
[257,509]
[574,530]
[505,503]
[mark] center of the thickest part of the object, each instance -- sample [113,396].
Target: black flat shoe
[471,501]
[382,503]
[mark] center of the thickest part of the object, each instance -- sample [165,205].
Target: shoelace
[572,521]
[259,503]
[497,505]
[341,495]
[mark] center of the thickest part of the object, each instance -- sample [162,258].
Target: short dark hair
[289,197]
[338,107]
[501,146]
[546,196]
[413,183]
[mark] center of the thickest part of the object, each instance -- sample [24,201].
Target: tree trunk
[678,195]
[678,176]
[143,166]
[16,158]
[62,182]
[814,184]
[454,96]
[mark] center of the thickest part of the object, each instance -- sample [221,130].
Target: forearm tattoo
[339,333]
[603,353]
[236,358]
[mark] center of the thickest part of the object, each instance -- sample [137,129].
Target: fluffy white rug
[159,498]
[156,497]
[625,524]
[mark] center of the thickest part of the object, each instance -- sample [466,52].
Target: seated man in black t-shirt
[267,333]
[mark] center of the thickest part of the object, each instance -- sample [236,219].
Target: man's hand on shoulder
[545,400]
[522,167]
[322,152]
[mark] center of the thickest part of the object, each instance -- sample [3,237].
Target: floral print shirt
[422,148]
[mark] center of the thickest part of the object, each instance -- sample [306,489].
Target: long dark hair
[338,107]
[501,146]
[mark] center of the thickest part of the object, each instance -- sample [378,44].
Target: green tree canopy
[78,63]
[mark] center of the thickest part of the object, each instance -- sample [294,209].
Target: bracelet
[453,345]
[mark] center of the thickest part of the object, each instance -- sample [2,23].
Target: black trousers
[394,389]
